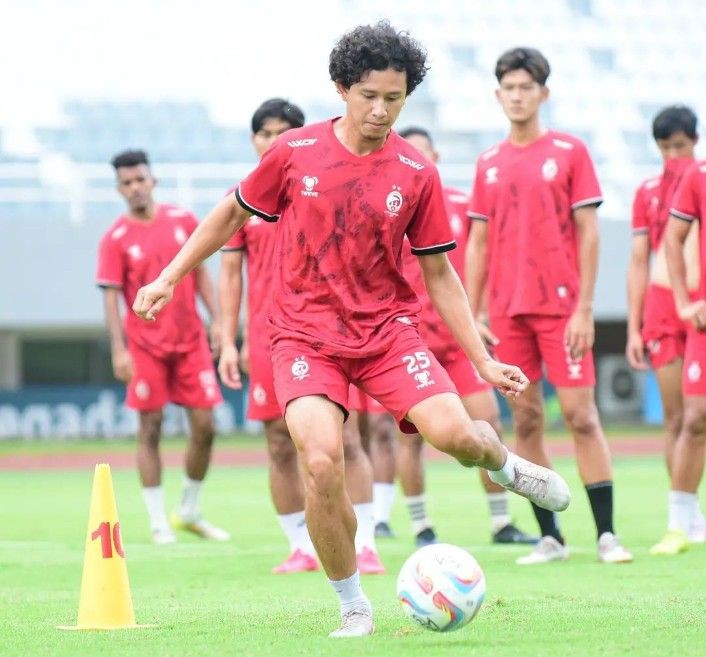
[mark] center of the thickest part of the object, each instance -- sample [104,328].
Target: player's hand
[635,351]
[245,357]
[122,364]
[152,298]
[510,380]
[579,334]
[490,339]
[228,367]
[695,313]
[214,338]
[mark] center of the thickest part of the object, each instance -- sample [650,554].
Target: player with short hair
[656,334]
[165,361]
[254,246]
[344,193]
[535,241]
[688,206]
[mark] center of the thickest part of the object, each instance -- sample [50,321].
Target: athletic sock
[294,528]
[417,507]
[383,497]
[506,474]
[154,501]
[189,508]
[548,522]
[681,507]
[600,495]
[365,535]
[350,593]
[498,505]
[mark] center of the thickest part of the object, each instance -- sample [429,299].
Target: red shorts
[662,330]
[188,379]
[262,400]
[694,371]
[401,377]
[529,341]
[462,372]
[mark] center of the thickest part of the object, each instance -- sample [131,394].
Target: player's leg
[411,473]
[359,484]
[669,377]
[383,455]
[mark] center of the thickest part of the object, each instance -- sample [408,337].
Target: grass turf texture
[211,599]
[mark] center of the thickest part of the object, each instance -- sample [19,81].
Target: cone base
[103,627]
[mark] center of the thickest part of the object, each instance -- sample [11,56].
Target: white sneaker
[163,536]
[357,622]
[548,549]
[697,530]
[610,549]
[538,484]
[199,526]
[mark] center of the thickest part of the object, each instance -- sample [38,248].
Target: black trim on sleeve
[437,248]
[105,285]
[271,218]
[640,231]
[682,216]
[232,249]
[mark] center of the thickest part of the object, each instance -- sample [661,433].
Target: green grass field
[220,599]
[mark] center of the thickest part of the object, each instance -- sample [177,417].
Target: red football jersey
[342,218]
[653,199]
[131,254]
[689,204]
[528,195]
[432,328]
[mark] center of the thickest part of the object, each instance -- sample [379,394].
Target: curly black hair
[376,48]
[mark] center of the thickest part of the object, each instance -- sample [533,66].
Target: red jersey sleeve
[477,205]
[640,223]
[263,192]
[429,231]
[686,199]
[236,242]
[585,189]
[110,269]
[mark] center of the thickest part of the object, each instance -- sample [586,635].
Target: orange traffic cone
[105,602]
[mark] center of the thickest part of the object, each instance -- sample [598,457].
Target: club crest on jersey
[179,235]
[394,201]
[491,175]
[309,183]
[135,252]
[300,368]
[549,169]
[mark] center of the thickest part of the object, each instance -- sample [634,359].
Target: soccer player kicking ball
[689,206]
[169,359]
[345,192]
[654,326]
[255,245]
[536,241]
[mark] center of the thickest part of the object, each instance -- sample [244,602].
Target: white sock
[365,536]
[506,474]
[417,507]
[189,508]
[383,497]
[681,506]
[350,593]
[499,516]
[154,501]
[294,528]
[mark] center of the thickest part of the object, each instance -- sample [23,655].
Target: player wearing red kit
[168,360]
[344,194]
[689,206]
[536,240]
[656,334]
[254,246]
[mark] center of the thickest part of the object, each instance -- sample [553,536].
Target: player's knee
[529,420]
[673,420]
[203,432]
[281,450]
[583,422]
[695,425]
[324,472]
[467,441]
[150,429]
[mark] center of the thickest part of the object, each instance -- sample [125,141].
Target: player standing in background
[344,193]
[255,245]
[689,205]
[168,360]
[536,242]
[654,326]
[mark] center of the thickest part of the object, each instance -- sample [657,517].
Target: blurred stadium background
[181,81]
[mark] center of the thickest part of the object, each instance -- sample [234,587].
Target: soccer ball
[441,587]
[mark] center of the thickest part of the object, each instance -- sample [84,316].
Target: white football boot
[610,550]
[538,484]
[357,622]
[548,549]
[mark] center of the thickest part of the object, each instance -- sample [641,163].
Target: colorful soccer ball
[441,587]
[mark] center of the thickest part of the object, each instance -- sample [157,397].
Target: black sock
[547,523]
[600,495]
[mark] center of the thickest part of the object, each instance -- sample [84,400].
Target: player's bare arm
[580,329]
[675,236]
[638,279]
[449,298]
[230,292]
[119,355]
[204,287]
[476,277]
[212,233]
